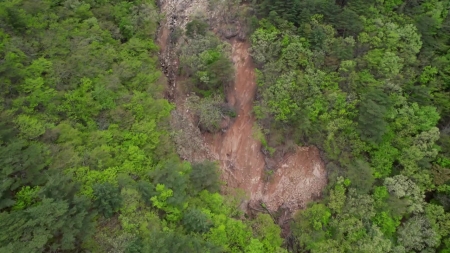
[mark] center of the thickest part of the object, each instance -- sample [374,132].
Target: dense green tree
[22,165]
[107,198]
[60,222]
[417,234]
[205,60]
[310,224]
[361,176]
[268,232]
[371,116]
[173,176]
[196,222]
[205,176]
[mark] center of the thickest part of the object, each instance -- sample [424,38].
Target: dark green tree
[361,176]
[60,222]
[196,222]
[107,199]
[21,164]
[172,175]
[205,176]
[371,119]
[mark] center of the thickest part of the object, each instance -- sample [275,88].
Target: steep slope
[298,177]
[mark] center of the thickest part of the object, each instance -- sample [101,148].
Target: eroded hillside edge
[286,182]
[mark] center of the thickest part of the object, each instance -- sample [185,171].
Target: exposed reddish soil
[299,177]
[239,154]
[163,38]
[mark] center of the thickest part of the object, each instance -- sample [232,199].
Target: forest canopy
[368,83]
[88,163]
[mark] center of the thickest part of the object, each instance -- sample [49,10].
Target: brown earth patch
[297,178]
[239,154]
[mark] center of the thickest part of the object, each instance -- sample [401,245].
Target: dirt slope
[299,177]
[239,154]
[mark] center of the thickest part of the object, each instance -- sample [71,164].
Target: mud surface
[239,153]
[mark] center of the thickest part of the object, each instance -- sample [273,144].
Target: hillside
[224,126]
